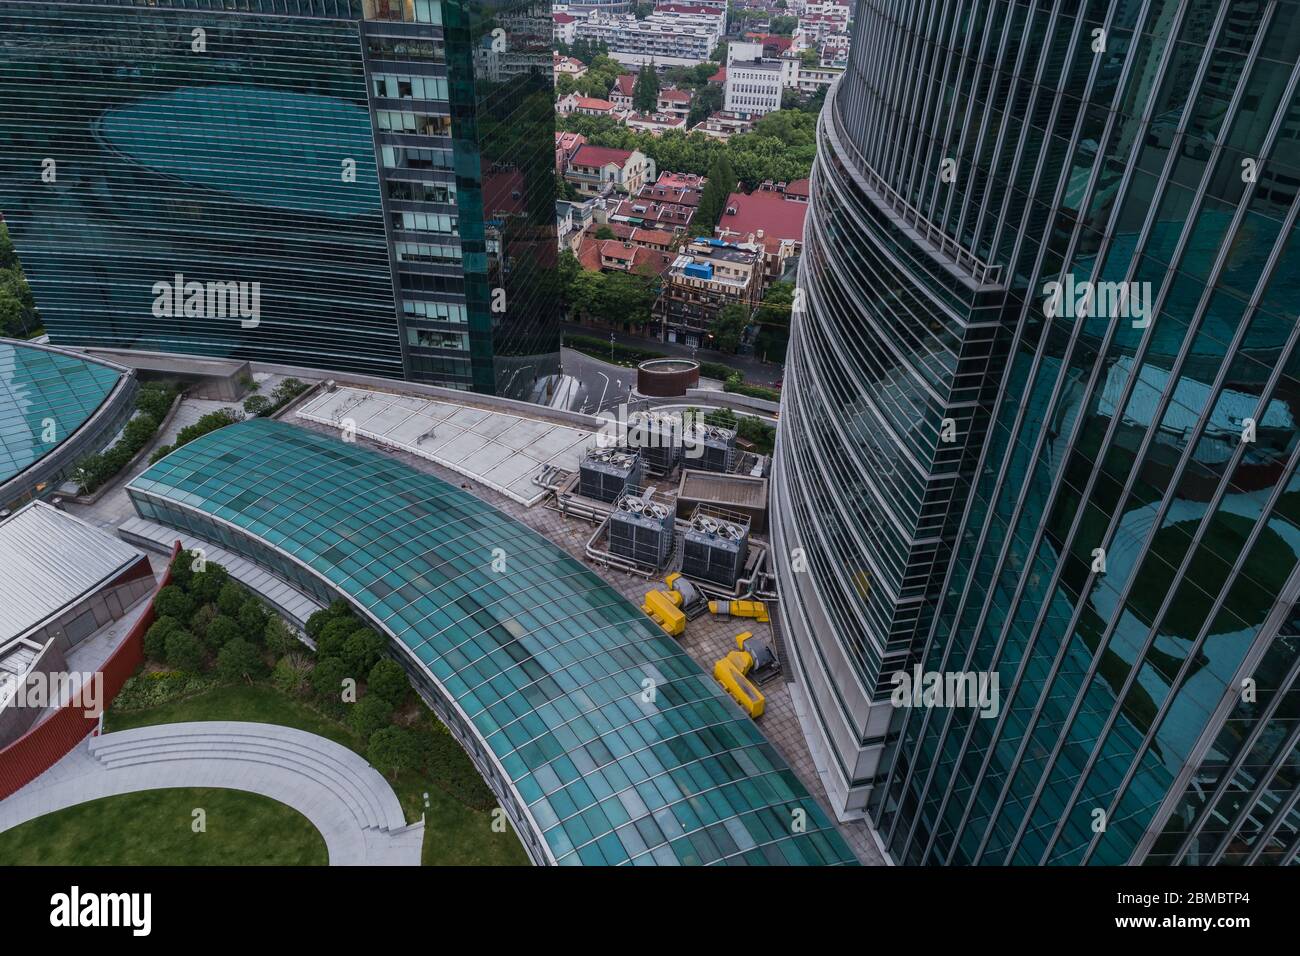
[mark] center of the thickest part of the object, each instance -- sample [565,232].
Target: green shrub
[144,691]
[753,391]
[252,620]
[388,681]
[394,749]
[231,598]
[182,569]
[279,637]
[625,355]
[316,623]
[156,399]
[362,650]
[256,405]
[174,602]
[719,371]
[208,423]
[333,638]
[155,639]
[159,453]
[206,585]
[369,714]
[222,631]
[239,660]
[184,652]
[202,619]
[292,674]
[327,680]
[455,772]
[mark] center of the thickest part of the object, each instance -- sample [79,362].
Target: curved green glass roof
[45,396]
[545,660]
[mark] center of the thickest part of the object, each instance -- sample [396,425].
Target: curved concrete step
[345,777]
[327,783]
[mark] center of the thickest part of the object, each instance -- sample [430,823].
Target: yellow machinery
[663,607]
[730,673]
[755,609]
[692,601]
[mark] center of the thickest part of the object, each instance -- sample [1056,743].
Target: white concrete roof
[49,559]
[497,449]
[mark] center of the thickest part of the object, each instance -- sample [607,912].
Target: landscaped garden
[215,652]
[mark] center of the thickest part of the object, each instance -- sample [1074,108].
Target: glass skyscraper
[334,168]
[1040,424]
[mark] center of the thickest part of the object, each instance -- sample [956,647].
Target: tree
[370,714]
[173,602]
[708,100]
[604,232]
[334,637]
[255,405]
[184,652]
[327,680]
[773,320]
[231,598]
[783,26]
[222,631]
[645,94]
[362,650]
[252,620]
[206,585]
[713,198]
[292,674]
[155,639]
[279,637]
[239,660]
[728,326]
[392,750]
[389,682]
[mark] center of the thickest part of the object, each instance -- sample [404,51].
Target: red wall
[54,737]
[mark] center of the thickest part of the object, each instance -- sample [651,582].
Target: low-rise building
[623,92]
[705,277]
[594,169]
[566,144]
[667,192]
[675,102]
[564,27]
[656,215]
[567,66]
[725,124]
[587,106]
[670,180]
[655,123]
[769,219]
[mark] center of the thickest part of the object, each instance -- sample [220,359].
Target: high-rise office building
[343,184]
[1040,426]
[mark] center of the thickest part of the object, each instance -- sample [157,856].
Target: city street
[757,372]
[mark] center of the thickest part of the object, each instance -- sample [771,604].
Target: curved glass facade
[55,408]
[1091,497]
[604,741]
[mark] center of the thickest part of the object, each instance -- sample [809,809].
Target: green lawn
[155,828]
[454,834]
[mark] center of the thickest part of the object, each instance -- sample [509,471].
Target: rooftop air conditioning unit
[606,473]
[714,550]
[641,530]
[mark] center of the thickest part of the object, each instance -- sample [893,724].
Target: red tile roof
[769,211]
[591,103]
[624,83]
[563,17]
[588,155]
[720,76]
[675,96]
[797,187]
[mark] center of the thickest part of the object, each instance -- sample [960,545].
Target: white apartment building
[753,84]
[655,36]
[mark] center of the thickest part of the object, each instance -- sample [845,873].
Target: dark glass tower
[1092,497]
[329,154]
